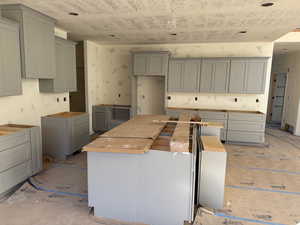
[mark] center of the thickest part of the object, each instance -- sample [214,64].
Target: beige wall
[31,105]
[109,73]
[290,63]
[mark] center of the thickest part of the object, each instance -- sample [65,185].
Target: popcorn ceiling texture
[194,21]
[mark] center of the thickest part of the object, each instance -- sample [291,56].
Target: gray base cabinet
[20,155]
[211,183]
[37,40]
[106,117]
[238,126]
[65,79]
[10,59]
[64,133]
[246,127]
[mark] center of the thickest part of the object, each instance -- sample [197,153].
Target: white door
[278,97]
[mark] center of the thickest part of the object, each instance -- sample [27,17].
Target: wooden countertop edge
[218,110]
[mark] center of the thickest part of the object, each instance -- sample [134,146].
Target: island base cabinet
[151,188]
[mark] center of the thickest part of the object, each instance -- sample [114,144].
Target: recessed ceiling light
[73,14]
[267,4]
[112,35]
[243,32]
[173,34]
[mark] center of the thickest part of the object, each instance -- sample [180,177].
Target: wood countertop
[8,129]
[217,110]
[212,144]
[66,114]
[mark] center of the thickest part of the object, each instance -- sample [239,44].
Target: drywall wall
[109,73]
[31,105]
[151,95]
[290,63]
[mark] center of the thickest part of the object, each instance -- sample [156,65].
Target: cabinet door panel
[140,64]
[190,77]
[255,77]
[59,84]
[70,67]
[220,79]
[10,65]
[237,76]
[32,46]
[175,75]
[47,51]
[207,70]
[156,64]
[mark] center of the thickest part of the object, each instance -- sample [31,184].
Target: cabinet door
[10,60]
[156,64]
[220,77]
[47,50]
[175,75]
[190,76]
[140,64]
[237,76]
[256,76]
[59,83]
[207,71]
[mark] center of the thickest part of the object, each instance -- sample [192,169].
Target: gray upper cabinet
[256,76]
[175,75]
[214,75]
[36,39]
[10,59]
[65,80]
[150,63]
[184,75]
[248,75]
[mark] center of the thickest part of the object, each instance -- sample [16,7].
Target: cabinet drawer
[101,108]
[256,117]
[177,112]
[14,156]
[12,140]
[246,126]
[212,115]
[242,136]
[13,176]
[224,122]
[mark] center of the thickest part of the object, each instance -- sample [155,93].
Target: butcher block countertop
[66,114]
[217,110]
[8,129]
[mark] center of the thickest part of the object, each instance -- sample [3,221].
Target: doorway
[77,99]
[277,98]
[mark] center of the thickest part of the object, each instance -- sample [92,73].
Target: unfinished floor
[262,187]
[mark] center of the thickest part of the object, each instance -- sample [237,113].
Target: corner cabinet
[65,80]
[184,75]
[214,75]
[150,63]
[36,39]
[10,59]
[248,75]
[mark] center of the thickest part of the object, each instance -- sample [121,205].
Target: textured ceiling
[286,47]
[152,21]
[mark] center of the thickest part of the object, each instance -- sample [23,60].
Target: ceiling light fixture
[112,35]
[173,34]
[267,4]
[243,32]
[73,14]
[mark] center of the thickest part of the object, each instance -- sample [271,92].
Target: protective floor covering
[262,187]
